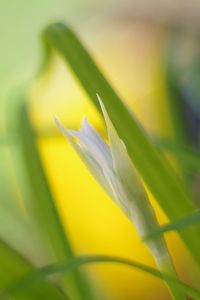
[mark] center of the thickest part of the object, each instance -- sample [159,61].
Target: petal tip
[58,123]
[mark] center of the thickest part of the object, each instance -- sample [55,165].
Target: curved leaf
[67,267]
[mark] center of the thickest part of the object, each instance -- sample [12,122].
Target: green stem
[145,221]
[165,265]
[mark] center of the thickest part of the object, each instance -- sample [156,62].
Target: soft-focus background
[136,44]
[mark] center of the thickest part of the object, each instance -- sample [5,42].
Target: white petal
[90,140]
[118,195]
[87,159]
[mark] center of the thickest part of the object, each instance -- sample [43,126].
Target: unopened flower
[112,167]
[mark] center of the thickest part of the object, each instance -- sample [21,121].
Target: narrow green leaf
[155,171]
[184,62]
[43,211]
[67,267]
[174,97]
[184,222]
[180,96]
[14,266]
[188,156]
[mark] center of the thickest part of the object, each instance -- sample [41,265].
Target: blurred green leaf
[14,266]
[183,78]
[67,267]
[15,229]
[42,207]
[174,97]
[155,171]
[189,157]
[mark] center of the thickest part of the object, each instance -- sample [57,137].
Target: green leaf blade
[14,266]
[67,267]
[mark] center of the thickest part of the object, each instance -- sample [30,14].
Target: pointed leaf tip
[101,103]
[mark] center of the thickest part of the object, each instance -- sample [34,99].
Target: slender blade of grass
[184,222]
[67,267]
[155,171]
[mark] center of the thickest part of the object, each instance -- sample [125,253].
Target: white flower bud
[112,167]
